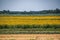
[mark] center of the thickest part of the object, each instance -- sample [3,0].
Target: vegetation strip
[30,29]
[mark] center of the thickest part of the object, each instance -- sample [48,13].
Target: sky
[29,5]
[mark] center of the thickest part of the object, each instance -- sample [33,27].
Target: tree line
[56,11]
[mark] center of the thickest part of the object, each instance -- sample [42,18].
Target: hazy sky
[29,5]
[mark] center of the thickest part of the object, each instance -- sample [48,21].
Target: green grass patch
[29,29]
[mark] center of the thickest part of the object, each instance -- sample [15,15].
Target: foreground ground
[30,37]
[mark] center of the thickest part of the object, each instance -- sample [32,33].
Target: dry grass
[30,37]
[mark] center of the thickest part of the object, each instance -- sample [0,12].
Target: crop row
[29,29]
[29,26]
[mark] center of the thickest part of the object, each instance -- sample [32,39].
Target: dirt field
[29,36]
[12,20]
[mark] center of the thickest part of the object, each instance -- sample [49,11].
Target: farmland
[29,27]
[29,24]
[40,20]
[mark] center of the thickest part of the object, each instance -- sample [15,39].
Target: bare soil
[29,36]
